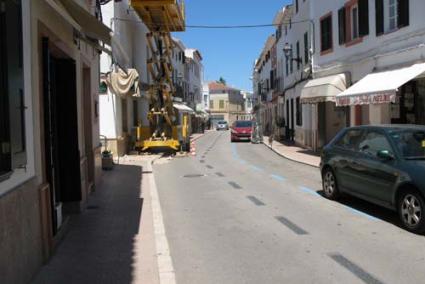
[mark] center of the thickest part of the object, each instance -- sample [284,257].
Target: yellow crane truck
[168,129]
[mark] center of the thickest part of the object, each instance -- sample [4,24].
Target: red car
[241,130]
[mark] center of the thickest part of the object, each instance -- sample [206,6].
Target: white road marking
[165,263]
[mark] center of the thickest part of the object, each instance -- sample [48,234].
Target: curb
[293,160]
[198,137]
[164,259]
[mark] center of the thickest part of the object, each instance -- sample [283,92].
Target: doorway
[61,151]
[292,132]
[88,127]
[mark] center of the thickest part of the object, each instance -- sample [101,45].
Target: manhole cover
[193,176]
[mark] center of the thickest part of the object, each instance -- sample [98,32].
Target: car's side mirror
[385,155]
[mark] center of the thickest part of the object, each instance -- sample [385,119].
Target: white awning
[323,89]
[90,26]
[183,108]
[379,88]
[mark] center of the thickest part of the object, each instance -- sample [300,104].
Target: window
[296,6]
[374,142]
[391,15]
[350,140]
[342,25]
[271,79]
[221,104]
[299,112]
[306,49]
[410,143]
[298,55]
[287,66]
[326,33]
[291,62]
[211,104]
[12,100]
[354,22]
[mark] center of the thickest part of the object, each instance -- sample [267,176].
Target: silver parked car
[222,125]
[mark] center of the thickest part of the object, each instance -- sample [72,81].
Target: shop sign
[366,99]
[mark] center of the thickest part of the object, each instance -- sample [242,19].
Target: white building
[195,71]
[122,110]
[180,78]
[294,70]
[263,80]
[376,50]
[248,101]
[206,95]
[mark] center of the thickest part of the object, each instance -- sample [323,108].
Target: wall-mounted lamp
[287,50]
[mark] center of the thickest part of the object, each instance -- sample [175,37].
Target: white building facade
[381,40]
[121,112]
[364,64]
[195,71]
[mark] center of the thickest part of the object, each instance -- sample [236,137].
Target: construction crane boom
[161,17]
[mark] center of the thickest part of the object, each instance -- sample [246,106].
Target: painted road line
[165,263]
[292,226]
[360,213]
[255,168]
[234,185]
[309,191]
[278,177]
[359,272]
[256,201]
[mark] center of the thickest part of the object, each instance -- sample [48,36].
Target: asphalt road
[239,213]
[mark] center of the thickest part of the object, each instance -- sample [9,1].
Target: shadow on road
[99,244]
[368,208]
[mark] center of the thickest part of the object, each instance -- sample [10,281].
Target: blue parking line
[360,213]
[255,168]
[278,177]
[309,191]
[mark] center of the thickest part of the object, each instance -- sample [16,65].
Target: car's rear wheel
[330,187]
[411,208]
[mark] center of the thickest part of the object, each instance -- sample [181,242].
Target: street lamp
[287,50]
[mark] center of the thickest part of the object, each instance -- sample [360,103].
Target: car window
[350,140]
[411,143]
[373,142]
[243,123]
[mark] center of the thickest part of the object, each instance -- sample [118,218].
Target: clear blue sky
[229,53]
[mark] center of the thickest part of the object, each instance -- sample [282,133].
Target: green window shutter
[363,17]
[342,25]
[379,6]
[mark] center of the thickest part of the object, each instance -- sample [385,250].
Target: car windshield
[411,143]
[222,122]
[243,124]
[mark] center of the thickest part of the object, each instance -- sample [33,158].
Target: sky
[229,53]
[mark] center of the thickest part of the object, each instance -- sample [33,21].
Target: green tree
[222,81]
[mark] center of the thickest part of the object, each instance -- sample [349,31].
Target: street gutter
[290,159]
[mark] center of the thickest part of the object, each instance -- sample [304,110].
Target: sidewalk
[294,153]
[112,241]
[196,136]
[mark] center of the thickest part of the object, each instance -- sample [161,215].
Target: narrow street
[239,213]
